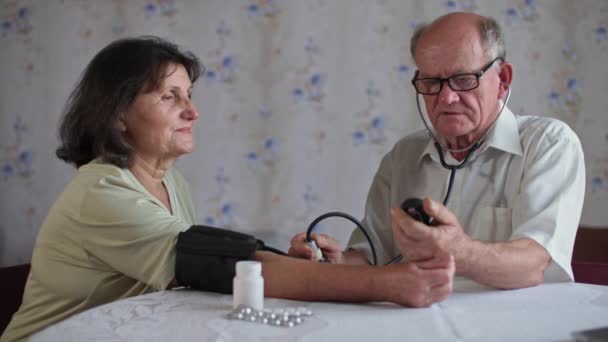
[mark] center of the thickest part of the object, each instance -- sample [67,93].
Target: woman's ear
[120,124]
[505,75]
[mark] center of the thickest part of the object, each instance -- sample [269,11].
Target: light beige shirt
[106,237]
[526,180]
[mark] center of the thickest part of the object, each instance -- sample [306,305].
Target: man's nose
[447,95]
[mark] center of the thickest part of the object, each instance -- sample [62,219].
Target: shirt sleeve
[127,230]
[549,205]
[377,217]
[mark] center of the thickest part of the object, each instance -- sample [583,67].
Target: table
[549,312]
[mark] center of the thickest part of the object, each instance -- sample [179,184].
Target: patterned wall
[300,101]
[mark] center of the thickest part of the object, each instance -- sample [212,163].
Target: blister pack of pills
[287,318]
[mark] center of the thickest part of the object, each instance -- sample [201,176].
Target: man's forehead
[447,67]
[447,59]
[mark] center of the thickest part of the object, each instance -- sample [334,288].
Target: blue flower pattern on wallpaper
[17,156]
[601,35]
[310,82]
[266,153]
[370,126]
[599,168]
[598,184]
[160,7]
[310,201]
[526,11]
[264,112]
[311,90]
[307,84]
[569,52]
[567,98]
[221,211]
[599,174]
[405,72]
[221,65]
[19,22]
[268,8]
[461,5]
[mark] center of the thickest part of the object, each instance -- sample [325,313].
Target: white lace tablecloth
[549,312]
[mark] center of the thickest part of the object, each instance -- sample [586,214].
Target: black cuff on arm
[206,257]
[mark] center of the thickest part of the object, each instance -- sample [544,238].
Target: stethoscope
[471,148]
[413,206]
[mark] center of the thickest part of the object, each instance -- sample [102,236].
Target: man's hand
[329,246]
[420,283]
[417,241]
[507,265]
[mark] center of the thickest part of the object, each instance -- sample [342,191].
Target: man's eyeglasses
[460,82]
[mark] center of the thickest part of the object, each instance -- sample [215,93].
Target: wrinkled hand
[329,246]
[417,241]
[421,283]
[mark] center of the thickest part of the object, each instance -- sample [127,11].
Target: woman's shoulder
[103,173]
[100,168]
[103,180]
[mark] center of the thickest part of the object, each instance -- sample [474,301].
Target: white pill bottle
[248,285]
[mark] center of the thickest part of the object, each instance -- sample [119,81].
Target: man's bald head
[454,26]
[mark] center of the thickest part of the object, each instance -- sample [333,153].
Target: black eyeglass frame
[447,79]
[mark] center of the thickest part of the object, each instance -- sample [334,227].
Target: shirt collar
[503,136]
[429,150]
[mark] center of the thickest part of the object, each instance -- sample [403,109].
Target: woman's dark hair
[107,88]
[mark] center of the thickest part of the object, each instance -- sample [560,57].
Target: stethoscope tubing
[439,147]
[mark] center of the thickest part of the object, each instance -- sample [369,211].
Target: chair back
[590,256]
[12,284]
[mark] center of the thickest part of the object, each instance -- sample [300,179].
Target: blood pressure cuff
[206,257]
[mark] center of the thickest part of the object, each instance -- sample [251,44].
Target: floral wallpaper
[300,100]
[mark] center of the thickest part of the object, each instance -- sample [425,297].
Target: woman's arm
[417,284]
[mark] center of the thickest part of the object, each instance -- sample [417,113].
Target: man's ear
[505,74]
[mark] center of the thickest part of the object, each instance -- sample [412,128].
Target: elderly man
[517,196]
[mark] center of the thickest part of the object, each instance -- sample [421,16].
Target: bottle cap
[248,268]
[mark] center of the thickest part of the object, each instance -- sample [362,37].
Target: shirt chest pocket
[492,224]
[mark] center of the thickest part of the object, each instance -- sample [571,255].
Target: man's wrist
[465,256]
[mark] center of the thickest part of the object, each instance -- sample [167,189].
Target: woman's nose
[190,112]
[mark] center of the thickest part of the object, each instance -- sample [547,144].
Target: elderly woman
[112,233]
